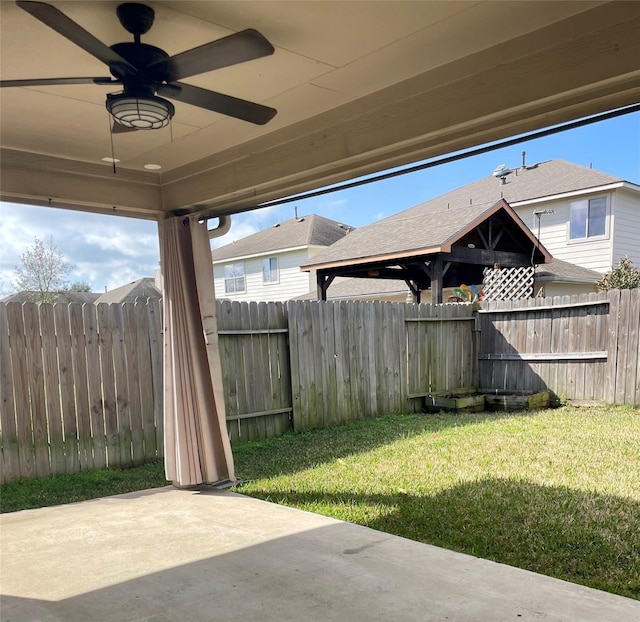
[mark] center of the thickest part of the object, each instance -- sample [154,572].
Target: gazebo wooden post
[323,281]
[436,280]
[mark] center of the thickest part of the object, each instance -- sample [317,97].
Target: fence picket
[94,385]
[105,329]
[157,371]
[80,382]
[10,443]
[296,379]
[52,390]
[344,340]
[36,390]
[142,315]
[134,402]
[67,392]
[632,394]
[24,430]
[622,362]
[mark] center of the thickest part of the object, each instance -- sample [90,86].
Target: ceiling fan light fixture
[147,112]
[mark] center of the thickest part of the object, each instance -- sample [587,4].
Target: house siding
[564,289]
[292,282]
[592,253]
[626,225]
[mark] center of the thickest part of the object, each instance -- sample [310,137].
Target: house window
[234,278]
[270,272]
[588,218]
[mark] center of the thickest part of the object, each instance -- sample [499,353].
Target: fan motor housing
[140,55]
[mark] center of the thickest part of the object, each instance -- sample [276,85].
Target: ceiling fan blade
[58,21]
[57,81]
[236,48]
[118,128]
[217,102]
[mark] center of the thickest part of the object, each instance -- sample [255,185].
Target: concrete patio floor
[178,555]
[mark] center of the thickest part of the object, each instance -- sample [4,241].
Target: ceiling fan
[146,71]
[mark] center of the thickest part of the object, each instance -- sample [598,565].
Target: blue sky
[109,251]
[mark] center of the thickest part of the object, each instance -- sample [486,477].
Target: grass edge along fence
[81,385]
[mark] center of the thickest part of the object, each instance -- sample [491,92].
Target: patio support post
[196,445]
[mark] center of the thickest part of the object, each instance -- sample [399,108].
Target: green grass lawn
[556,492]
[38,493]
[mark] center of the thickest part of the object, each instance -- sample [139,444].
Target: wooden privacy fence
[255,369]
[356,360]
[310,364]
[582,348]
[80,387]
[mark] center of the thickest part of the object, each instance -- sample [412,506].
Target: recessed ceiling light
[152,167]
[110,160]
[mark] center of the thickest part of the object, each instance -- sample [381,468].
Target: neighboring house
[561,278]
[265,266]
[586,219]
[594,219]
[141,289]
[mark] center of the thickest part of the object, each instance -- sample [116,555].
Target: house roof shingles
[563,271]
[434,221]
[65,296]
[142,288]
[312,230]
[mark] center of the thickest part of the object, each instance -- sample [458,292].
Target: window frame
[271,281]
[235,278]
[588,238]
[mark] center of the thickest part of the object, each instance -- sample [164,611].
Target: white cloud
[105,250]
[125,242]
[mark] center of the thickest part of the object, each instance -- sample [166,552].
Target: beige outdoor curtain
[196,445]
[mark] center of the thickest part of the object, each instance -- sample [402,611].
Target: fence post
[612,347]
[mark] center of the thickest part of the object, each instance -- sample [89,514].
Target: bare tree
[43,272]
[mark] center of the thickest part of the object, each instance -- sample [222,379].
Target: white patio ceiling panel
[359,87]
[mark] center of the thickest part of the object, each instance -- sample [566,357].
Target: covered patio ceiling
[359,87]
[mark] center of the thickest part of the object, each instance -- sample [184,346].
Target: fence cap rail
[568,305]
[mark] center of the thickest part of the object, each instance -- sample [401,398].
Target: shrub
[624,276]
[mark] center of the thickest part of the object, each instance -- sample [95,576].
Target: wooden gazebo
[442,249]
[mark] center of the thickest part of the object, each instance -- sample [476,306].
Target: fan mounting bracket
[135,18]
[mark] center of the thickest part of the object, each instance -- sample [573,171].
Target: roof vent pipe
[524,157]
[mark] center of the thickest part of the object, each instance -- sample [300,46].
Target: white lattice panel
[508,283]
